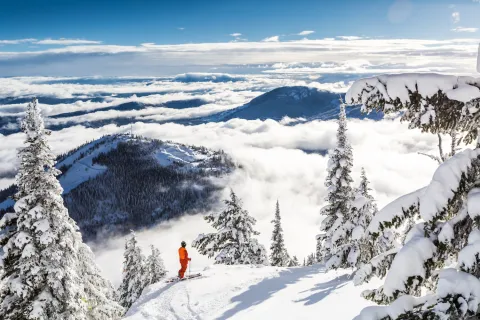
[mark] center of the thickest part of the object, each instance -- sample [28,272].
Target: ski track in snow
[249,292]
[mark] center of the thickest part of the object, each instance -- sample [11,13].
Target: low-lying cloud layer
[103,99]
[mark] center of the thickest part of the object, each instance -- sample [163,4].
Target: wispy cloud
[305,33]
[17,41]
[236,34]
[463,29]
[456,17]
[271,39]
[63,41]
[181,28]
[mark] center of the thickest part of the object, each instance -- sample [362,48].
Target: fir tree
[99,294]
[311,259]
[293,262]
[155,269]
[337,225]
[320,239]
[41,278]
[133,281]
[278,253]
[233,243]
[364,208]
[47,273]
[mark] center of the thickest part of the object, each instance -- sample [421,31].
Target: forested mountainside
[120,182]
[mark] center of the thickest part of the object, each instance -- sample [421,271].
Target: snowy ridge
[80,164]
[250,292]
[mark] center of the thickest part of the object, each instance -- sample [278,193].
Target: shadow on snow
[262,291]
[321,290]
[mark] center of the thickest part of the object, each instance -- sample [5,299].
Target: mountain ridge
[120,182]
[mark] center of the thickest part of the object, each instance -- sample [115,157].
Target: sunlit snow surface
[245,292]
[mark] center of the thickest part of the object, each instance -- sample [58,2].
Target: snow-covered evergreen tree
[278,253]
[133,281]
[318,252]
[336,227]
[434,273]
[364,208]
[43,254]
[99,294]
[293,262]
[233,243]
[311,259]
[155,269]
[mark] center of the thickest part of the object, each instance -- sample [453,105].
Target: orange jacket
[182,253]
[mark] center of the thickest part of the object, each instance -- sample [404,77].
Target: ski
[176,279]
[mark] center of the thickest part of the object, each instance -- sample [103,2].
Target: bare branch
[431,157]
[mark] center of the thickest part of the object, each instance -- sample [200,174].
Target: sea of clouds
[276,163]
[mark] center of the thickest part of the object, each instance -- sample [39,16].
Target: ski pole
[189,268]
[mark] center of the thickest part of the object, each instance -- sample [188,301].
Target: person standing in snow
[183,255]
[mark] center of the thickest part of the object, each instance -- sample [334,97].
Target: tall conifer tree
[336,226]
[278,253]
[42,248]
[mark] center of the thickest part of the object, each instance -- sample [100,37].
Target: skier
[183,255]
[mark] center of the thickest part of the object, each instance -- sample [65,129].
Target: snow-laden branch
[432,102]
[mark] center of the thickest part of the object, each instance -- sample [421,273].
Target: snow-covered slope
[249,292]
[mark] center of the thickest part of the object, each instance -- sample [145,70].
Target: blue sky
[133,22]
[155,37]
